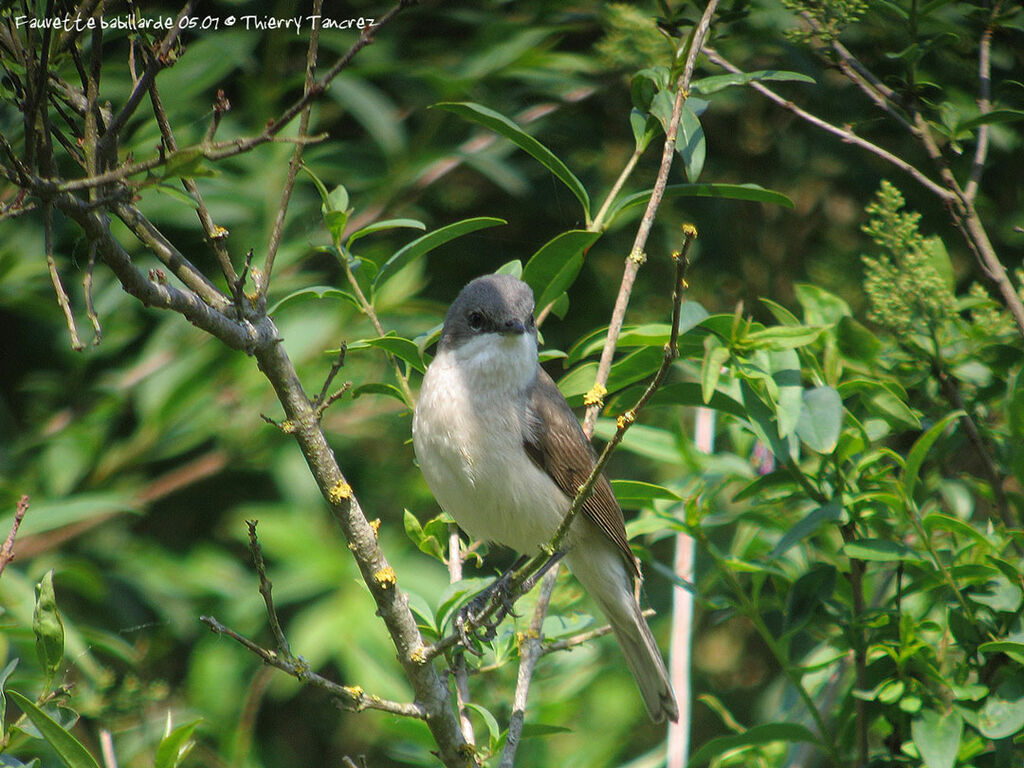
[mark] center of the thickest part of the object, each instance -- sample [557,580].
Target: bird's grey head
[492,304]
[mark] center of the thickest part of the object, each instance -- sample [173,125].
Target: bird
[504,454]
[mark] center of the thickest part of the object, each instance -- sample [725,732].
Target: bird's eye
[530,321]
[476,320]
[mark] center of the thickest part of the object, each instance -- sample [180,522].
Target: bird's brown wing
[556,443]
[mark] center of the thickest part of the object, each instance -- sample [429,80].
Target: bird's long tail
[610,584]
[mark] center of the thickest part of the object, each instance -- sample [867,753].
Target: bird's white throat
[494,364]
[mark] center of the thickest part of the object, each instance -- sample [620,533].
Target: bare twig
[568,643]
[7,552]
[984,106]
[636,255]
[323,401]
[90,308]
[296,162]
[107,749]
[530,651]
[156,62]
[213,232]
[350,696]
[459,669]
[62,296]
[266,590]
[845,133]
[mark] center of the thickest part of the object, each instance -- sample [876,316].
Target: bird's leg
[472,613]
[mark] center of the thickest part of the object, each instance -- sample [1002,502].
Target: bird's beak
[512,327]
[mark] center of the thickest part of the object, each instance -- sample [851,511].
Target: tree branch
[636,255]
[7,552]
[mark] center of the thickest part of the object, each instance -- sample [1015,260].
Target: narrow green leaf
[691,144]
[759,734]
[319,292]
[3,688]
[879,550]
[554,267]
[400,347]
[937,737]
[938,521]
[749,192]
[175,746]
[780,337]
[632,493]
[820,306]
[379,226]
[47,626]
[920,450]
[644,128]
[821,419]
[507,128]
[994,116]
[807,526]
[711,370]
[856,342]
[380,388]
[785,370]
[67,747]
[187,164]
[428,242]
[692,394]
[708,85]
[493,729]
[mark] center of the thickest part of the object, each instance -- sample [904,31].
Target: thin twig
[62,296]
[157,61]
[459,669]
[7,552]
[90,308]
[351,696]
[213,233]
[225,149]
[296,162]
[636,255]
[984,106]
[845,133]
[531,649]
[266,590]
[107,749]
[568,643]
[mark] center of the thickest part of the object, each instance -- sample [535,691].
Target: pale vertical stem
[459,664]
[682,617]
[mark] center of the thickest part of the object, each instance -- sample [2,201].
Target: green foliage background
[144,455]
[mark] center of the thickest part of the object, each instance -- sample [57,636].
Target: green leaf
[47,626]
[554,267]
[780,337]
[807,526]
[1012,648]
[427,544]
[749,192]
[691,313]
[691,144]
[821,419]
[1002,714]
[380,226]
[759,734]
[380,388]
[187,164]
[493,729]
[400,347]
[785,370]
[507,128]
[644,128]
[856,342]
[708,85]
[646,84]
[920,450]
[820,306]
[4,675]
[319,292]
[879,551]
[632,493]
[428,242]
[715,357]
[692,394]
[67,747]
[994,116]
[536,730]
[938,521]
[175,746]
[626,371]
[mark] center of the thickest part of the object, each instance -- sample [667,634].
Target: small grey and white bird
[504,455]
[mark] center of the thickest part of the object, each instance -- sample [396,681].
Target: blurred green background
[144,455]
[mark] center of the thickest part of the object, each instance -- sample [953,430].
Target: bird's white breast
[468,436]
